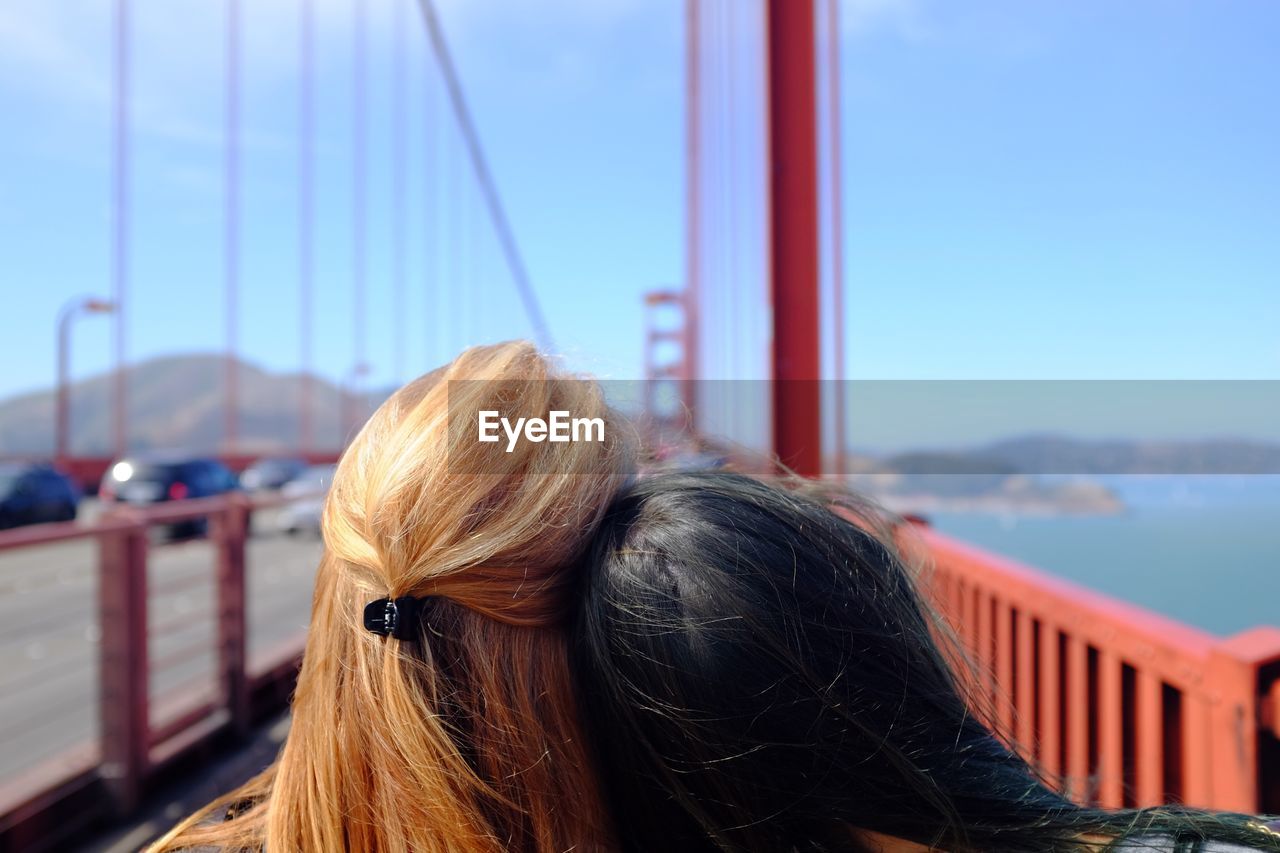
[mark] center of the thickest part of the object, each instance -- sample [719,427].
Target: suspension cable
[501,225]
[399,213]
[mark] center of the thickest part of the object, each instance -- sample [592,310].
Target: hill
[178,401]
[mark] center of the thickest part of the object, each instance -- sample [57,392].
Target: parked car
[308,490]
[271,473]
[33,494]
[155,478]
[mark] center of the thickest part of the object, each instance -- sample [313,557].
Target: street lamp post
[75,308]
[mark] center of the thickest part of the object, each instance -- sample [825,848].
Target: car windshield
[8,479]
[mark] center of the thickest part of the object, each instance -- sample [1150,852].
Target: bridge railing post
[124,703]
[231,531]
[1241,675]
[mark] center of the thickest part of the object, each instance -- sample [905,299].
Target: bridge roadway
[49,632]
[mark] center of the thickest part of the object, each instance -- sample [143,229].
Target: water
[1207,555]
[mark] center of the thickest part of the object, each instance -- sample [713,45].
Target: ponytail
[464,736]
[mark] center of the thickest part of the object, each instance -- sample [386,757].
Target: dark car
[144,480]
[32,494]
[271,473]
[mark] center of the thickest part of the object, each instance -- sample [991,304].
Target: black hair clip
[393,617]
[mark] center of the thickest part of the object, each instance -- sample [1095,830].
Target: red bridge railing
[1125,707]
[88,471]
[143,731]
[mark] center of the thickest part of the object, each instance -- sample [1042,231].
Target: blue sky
[1083,189]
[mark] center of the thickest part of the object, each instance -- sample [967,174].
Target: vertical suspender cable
[398,214]
[721,176]
[306,220]
[724,145]
[733,167]
[766,328]
[473,271]
[834,116]
[727,187]
[471,139]
[711,307]
[358,205]
[693,201]
[431,217]
[120,227]
[453,239]
[231,218]
[715,169]
[463,282]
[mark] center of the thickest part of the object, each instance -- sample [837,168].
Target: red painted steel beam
[1110,729]
[1224,687]
[1050,718]
[124,703]
[793,225]
[230,533]
[1150,740]
[1236,729]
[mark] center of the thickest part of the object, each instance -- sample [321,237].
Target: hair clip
[393,617]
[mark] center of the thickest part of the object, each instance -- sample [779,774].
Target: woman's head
[419,505]
[464,738]
[774,668]
[760,674]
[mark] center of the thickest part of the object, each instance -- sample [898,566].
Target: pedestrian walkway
[163,810]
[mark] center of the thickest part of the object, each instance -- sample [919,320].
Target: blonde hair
[467,738]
